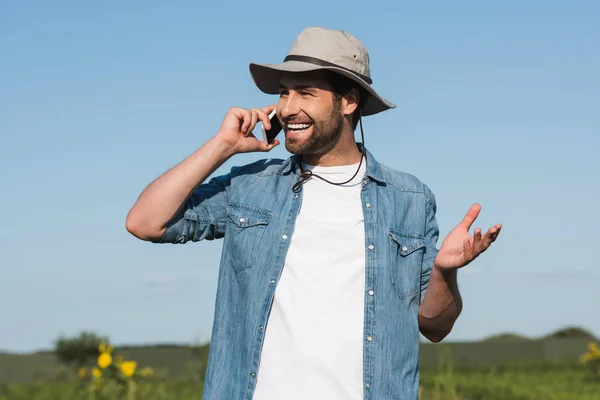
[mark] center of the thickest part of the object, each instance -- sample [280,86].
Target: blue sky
[497,104]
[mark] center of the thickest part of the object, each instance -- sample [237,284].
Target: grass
[175,359]
[516,383]
[542,382]
[494,370]
[167,390]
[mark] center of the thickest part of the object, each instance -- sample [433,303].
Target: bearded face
[306,134]
[310,114]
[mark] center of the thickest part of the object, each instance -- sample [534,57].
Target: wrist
[445,272]
[222,148]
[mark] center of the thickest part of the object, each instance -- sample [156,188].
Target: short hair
[341,86]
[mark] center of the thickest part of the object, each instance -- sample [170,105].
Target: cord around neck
[306,175]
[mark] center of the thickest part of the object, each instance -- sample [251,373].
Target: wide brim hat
[318,48]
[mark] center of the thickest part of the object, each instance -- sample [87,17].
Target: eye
[283,92]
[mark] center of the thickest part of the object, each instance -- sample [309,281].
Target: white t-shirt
[314,337]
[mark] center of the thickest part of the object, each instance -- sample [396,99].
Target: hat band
[323,63]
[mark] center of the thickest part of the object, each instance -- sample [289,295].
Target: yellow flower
[146,372]
[104,360]
[594,350]
[128,368]
[81,372]
[105,348]
[96,372]
[584,358]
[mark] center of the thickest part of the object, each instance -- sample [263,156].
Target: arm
[172,193]
[162,199]
[442,304]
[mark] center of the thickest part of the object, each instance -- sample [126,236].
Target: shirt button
[252,375]
[272,282]
[260,328]
[242,220]
[371,292]
[368,385]
[365,182]
[371,247]
[369,339]
[404,249]
[284,237]
[296,196]
[368,205]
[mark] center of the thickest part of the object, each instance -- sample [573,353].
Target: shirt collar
[373,171]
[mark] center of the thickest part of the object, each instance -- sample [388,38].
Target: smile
[296,128]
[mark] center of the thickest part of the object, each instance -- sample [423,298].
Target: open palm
[459,248]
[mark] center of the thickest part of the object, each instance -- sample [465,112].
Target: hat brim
[267,78]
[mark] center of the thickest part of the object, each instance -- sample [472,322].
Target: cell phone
[271,134]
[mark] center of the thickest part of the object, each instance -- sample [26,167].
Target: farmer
[330,268]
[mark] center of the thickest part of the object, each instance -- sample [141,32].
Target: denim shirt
[253,208]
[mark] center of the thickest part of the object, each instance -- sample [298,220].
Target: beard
[326,133]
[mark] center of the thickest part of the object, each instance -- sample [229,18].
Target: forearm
[441,305]
[160,200]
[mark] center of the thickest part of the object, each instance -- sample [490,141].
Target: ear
[350,102]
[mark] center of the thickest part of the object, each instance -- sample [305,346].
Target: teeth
[298,126]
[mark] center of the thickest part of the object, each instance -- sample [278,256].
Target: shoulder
[405,182]
[261,168]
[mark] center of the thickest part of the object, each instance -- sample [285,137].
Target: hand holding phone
[271,134]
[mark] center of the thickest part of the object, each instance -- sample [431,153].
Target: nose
[288,106]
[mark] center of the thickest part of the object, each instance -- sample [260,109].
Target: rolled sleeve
[203,216]
[431,239]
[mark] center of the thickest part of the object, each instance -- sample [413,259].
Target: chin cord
[305,176]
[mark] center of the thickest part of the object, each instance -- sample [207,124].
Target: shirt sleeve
[203,216]
[431,238]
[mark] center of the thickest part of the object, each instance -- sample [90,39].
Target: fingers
[477,236]
[245,117]
[482,243]
[469,250]
[251,117]
[491,235]
[471,216]
[267,110]
[264,117]
[253,122]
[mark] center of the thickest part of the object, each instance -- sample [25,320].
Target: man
[330,268]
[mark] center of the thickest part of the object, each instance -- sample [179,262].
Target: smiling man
[330,267]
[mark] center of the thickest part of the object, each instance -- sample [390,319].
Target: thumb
[471,216]
[268,147]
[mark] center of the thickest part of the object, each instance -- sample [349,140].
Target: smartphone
[271,134]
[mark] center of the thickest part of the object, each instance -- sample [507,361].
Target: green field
[501,368]
[559,383]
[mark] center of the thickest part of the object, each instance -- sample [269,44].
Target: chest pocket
[406,255]
[244,233]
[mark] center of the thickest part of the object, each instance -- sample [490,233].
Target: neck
[345,152]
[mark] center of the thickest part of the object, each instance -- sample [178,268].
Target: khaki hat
[318,48]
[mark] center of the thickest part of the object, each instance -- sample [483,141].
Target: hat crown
[333,46]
